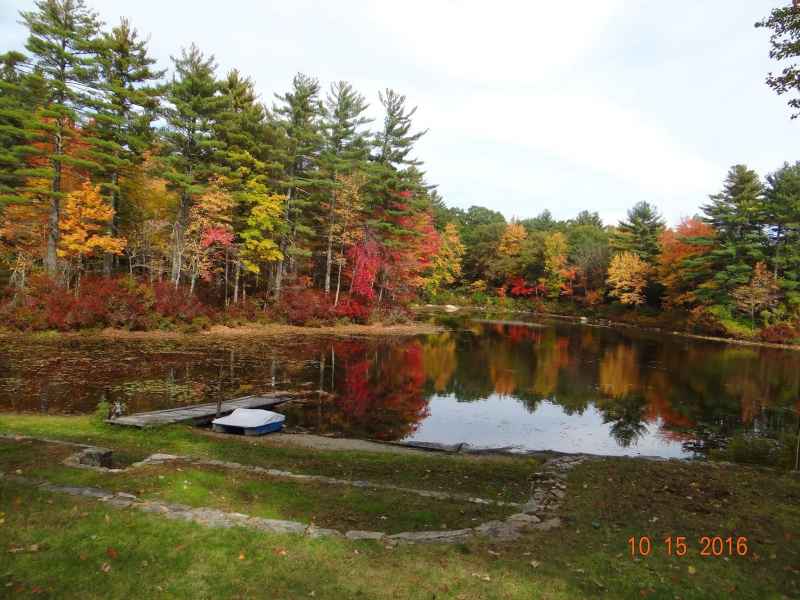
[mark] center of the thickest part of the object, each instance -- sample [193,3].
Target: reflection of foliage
[439,360]
[618,375]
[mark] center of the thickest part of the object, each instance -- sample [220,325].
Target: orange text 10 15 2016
[679,545]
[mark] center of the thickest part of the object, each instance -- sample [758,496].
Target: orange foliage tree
[677,246]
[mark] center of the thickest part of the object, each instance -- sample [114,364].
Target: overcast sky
[531,105]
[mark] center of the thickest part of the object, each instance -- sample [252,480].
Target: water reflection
[558,386]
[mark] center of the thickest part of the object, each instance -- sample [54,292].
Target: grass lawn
[54,545]
[498,478]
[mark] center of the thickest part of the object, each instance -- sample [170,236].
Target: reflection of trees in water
[689,388]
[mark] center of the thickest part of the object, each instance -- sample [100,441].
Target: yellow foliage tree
[446,266]
[84,227]
[555,259]
[627,278]
[511,241]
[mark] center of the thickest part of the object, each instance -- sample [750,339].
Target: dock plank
[197,413]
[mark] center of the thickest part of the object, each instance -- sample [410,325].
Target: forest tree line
[176,193]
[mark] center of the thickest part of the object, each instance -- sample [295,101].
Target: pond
[548,385]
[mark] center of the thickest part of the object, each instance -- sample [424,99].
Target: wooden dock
[197,413]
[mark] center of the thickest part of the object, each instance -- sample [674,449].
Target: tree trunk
[338,285]
[53,230]
[180,226]
[226,276]
[237,270]
[284,243]
[329,254]
[109,260]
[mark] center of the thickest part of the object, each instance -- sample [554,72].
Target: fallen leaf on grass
[241,556]
[280,552]
[111,552]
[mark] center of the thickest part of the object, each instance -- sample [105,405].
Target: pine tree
[737,215]
[345,150]
[190,146]
[131,99]
[299,114]
[640,233]
[63,48]
[782,208]
[20,97]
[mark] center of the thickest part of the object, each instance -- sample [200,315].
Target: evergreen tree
[299,113]
[737,215]
[189,148]
[124,118]
[782,213]
[63,47]
[345,150]
[20,97]
[640,233]
[590,218]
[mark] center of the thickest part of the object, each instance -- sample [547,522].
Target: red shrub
[177,303]
[120,302]
[300,306]
[782,333]
[354,310]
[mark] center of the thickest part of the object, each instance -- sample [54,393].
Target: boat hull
[254,431]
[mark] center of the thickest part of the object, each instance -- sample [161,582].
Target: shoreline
[604,322]
[250,330]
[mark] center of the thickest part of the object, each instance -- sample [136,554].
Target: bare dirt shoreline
[252,330]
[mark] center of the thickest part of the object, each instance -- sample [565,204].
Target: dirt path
[320,442]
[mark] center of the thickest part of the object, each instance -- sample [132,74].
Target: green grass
[67,541]
[498,478]
[336,506]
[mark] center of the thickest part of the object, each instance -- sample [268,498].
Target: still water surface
[535,386]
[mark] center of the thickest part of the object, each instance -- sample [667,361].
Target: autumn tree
[208,232]
[446,267]
[84,227]
[259,234]
[349,220]
[691,239]
[627,278]
[760,293]
[555,261]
